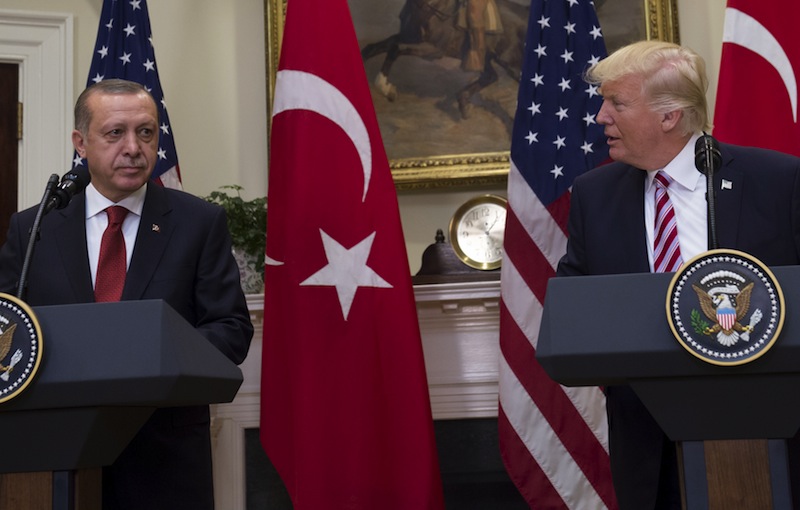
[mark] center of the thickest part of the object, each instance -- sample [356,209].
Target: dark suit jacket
[183,256]
[758,212]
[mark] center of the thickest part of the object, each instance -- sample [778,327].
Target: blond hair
[673,78]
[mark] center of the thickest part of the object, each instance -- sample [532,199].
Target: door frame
[41,43]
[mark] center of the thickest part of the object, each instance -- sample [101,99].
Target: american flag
[553,439]
[124,49]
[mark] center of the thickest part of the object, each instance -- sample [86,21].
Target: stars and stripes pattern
[726,318]
[124,49]
[553,439]
[667,251]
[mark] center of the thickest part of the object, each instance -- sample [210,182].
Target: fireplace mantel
[459,323]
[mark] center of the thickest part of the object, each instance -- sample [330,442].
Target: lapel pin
[156,228]
[726,184]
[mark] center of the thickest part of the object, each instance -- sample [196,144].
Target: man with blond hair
[654,110]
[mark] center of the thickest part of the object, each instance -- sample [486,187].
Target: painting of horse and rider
[444,73]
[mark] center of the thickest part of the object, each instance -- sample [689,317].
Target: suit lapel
[70,234]
[728,185]
[631,228]
[155,230]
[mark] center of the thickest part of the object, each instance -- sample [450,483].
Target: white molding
[41,43]
[460,325]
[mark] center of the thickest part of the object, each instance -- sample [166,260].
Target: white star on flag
[345,407]
[553,440]
[347,270]
[132,57]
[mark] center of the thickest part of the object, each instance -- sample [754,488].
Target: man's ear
[78,143]
[670,120]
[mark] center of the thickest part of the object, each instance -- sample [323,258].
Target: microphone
[708,159]
[72,183]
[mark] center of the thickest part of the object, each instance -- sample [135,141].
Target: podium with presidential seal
[713,351]
[78,381]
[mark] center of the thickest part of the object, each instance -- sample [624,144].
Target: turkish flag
[757,96]
[345,411]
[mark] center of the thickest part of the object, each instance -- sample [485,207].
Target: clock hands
[476,231]
[496,217]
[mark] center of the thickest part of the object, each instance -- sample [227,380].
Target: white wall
[211,63]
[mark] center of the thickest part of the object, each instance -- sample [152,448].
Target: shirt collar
[95,202]
[682,168]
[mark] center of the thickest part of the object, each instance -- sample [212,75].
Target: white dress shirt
[688,196]
[97,221]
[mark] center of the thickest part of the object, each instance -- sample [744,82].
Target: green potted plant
[247,222]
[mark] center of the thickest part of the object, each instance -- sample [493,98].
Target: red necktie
[667,250]
[111,266]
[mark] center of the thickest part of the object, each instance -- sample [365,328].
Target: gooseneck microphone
[708,159]
[72,183]
[56,196]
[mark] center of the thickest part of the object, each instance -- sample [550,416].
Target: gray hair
[83,114]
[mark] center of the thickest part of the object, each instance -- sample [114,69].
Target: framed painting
[434,137]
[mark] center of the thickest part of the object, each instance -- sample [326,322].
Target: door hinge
[19,121]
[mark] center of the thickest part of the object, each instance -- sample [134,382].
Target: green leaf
[247,220]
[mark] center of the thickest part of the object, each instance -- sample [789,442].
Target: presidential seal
[20,346]
[725,307]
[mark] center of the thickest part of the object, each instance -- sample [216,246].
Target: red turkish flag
[757,98]
[345,411]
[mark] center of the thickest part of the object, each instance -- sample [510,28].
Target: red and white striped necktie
[667,249]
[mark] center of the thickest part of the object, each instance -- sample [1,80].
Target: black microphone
[708,159]
[72,183]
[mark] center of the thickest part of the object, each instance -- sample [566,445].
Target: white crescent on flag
[742,29]
[347,269]
[299,90]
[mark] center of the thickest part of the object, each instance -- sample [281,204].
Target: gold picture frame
[658,20]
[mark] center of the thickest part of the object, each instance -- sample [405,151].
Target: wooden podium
[105,368]
[732,422]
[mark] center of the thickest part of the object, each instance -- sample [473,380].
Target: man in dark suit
[178,249]
[654,109]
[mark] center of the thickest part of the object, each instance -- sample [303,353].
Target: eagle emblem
[20,346]
[725,307]
[5,347]
[725,300]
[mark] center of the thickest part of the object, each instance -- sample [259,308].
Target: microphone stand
[711,198]
[33,236]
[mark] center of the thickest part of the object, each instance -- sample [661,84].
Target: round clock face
[477,230]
